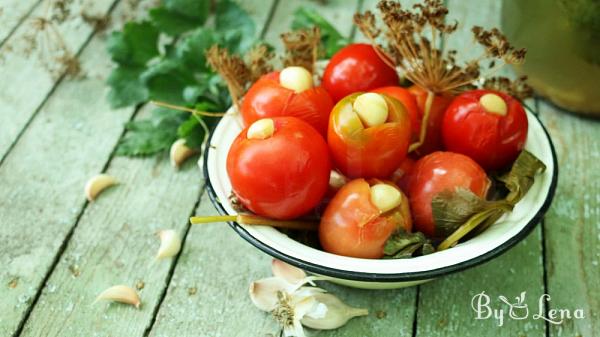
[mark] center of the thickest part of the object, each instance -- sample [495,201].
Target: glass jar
[562,38]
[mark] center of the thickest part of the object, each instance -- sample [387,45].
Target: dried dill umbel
[44,39]
[413,36]
[301,48]
[412,39]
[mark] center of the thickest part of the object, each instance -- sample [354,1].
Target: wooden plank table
[58,251]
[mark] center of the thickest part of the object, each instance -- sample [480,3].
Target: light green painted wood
[221,265]
[572,225]
[445,305]
[18,103]
[43,177]
[12,14]
[114,243]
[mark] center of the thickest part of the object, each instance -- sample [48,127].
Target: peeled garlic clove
[330,313]
[494,104]
[261,129]
[371,108]
[385,197]
[263,293]
[97,184]
[121,294]
[170,243]
[180,152]
[296,78]
[287,272]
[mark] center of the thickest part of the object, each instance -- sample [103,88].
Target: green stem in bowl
[256,221]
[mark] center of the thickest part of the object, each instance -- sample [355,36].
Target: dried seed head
[302,48]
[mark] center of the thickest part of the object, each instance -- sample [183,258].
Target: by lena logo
[518,309]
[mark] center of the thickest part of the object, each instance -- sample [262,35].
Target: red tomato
[492,140]
[267,98]
[401,176]
[353,226]
[356,67]
[435,173]
[409,102]
[283,176]
[368,152]
[433,139]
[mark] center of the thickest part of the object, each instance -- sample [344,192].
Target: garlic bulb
[336,313]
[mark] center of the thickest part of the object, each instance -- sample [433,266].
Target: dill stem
[256,221]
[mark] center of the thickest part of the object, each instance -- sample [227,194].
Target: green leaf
[451,209]
[126,87]
[171,22]
[166,81]
[235,25]
[151,135]
[331,39]
[191,49]
[402,244]
[197,9]
[521,176]
[193,133]
[136,44]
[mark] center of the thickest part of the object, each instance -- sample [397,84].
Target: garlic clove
[170,243]
[296,78]
[263,293]
[336,180]
[385,197]
[180,152]
[97,184]
[121,294]
[287,272]
[261,129]
[371,108]
[335,314]
[494,104]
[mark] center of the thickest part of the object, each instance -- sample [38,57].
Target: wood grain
[572,225]
[12,14]
[445,305]
[18,103]
[42,181]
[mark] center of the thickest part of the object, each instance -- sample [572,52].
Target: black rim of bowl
[399,277]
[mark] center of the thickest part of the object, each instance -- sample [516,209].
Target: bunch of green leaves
[146,68]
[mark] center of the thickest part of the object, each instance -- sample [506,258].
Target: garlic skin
[121,294]
[170,243]
[179,153]
[96,184]
[330,313]
[293,305]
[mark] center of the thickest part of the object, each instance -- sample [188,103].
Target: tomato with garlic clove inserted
[433,136]
[409,102]
[357,67]
[368,135]
[289,92]
[438,172]
[279,167]
[488,126]
[362,216]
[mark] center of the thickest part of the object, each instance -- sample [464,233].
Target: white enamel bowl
[385,274]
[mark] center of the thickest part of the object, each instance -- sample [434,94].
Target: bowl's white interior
[507,227]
